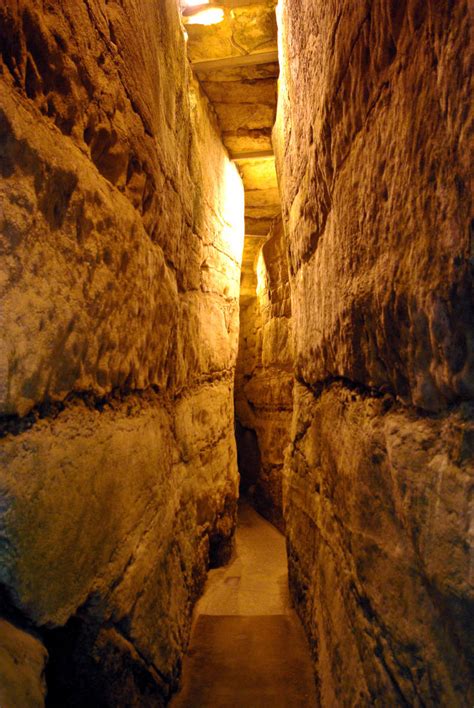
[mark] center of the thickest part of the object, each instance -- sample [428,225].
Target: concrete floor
[247,646]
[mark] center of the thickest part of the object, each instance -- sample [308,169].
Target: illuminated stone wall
[264,374]
[372,148]
[121,237]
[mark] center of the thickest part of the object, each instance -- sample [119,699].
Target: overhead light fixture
[197,12]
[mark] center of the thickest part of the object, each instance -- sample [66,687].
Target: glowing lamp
[197,12]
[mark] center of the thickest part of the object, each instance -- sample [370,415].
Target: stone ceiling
[236,63]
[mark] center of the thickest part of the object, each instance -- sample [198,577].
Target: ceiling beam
[240,3]
[231,62]
[253,155]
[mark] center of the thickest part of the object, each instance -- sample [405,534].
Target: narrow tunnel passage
[247,645]
[139,159]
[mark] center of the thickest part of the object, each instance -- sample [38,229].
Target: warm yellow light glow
[193,3]
[233,209]
[209,16]
[262,280]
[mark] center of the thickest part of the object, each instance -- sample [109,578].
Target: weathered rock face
[121,236]
[372,155]
[264,375]
[380,554]
[22,661]
[375,179]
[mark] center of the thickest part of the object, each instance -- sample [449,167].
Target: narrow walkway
[247,646]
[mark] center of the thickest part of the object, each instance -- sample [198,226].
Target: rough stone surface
[122,225]
[374,165]
[128,476]
[372,150]
[264,375]
[244,99]
[22,661]
[100,269]
[380,552]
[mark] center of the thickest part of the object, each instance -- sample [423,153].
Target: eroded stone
[371,143]
[122,224]
[264,375]
[22,662]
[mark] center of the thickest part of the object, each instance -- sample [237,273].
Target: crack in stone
[51,409]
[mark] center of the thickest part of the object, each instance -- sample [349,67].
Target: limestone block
[246,75]
[372,144]
[377,506]
[82,280]
[277,343]
[112,512]
[243,30]
[270,388]
[246,90]
[104,227]
[251,140]
[22,661]
[121,234]
[244,116]
[258,225]
[261,198]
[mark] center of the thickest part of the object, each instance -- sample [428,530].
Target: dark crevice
[385,392]
[362,390]
[10,612]
[50,409]
[379,653]
[92,663]
[221,537]
[248,457]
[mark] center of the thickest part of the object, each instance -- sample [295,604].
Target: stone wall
[264,375]
[22,661]
[121,238]
[372,149]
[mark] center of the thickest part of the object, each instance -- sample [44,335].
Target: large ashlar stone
[246,90]
[248,284]
[245,140]
[114,511]
[374,169]
[22,661]
[372,154]
[244,116]
[92,276]
[122,223]
[246,76]
[264,379]
[107,473]
[380,555]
